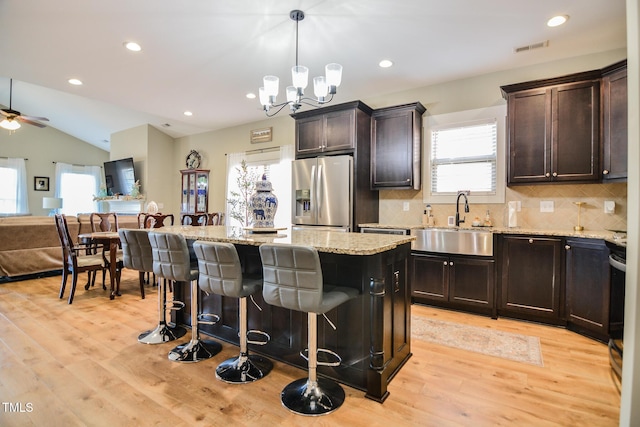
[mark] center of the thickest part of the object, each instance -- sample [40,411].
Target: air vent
[531,47]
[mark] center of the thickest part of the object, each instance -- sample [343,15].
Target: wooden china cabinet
[195,191]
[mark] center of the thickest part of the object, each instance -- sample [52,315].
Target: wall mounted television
[119,176]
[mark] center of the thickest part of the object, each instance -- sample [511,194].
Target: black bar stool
[171,261]
[221,274]
[292,278]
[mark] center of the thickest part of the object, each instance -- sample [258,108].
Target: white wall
[43,146]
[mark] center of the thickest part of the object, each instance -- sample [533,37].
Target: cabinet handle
[605,172]
[530,240]
[451,263]
[445,263]
[555,174]
[547,174]
[567,247]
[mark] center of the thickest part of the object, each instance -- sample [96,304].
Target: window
[465,153]
[77,185]
[13,191]
[276,164]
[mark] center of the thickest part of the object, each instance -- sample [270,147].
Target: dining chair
[194,219]
[157,220]
[75,259]
[216,218]
[106,221]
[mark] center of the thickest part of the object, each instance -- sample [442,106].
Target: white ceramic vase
[263,204]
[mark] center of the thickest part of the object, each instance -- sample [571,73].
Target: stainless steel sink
[461,241]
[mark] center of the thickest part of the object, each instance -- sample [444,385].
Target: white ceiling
[205,55]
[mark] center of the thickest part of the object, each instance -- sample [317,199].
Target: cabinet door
[339,130]
[309,135]
[614,121]
[575,128]
[392,151]
[588,286]
[531,277]
[471,281]
[430,278]
[529,136]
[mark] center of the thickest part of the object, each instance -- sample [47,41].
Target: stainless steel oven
[618,263]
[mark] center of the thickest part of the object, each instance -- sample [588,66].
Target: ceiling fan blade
[31,122]
[42,119]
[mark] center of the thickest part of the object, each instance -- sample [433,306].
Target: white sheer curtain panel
[281,181]
[22,191]
[233,162]
[76,186]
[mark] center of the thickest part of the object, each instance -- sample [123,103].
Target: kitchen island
[373,334]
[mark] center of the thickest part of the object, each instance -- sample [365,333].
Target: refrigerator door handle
[312,189]
[319,190]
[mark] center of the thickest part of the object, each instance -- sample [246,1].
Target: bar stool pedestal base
[161,334]
[243,369]
[195,351]
[305,397]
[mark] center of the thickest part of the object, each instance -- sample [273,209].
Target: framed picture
[261,135]
[41,183]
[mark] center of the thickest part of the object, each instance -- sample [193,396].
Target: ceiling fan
[13,118]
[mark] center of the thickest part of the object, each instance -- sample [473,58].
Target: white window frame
[440,121]
[20,194]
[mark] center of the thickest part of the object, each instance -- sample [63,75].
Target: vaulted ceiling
[205,56]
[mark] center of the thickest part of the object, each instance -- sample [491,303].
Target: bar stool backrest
[171,257]
[220,270]
[292,277]
[136,249]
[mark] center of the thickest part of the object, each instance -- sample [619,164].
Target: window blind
[464,157]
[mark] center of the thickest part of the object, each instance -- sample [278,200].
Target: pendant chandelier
[324,87]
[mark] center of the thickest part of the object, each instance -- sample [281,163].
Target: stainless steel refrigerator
[323,193]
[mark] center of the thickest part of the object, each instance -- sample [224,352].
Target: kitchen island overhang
[373,334]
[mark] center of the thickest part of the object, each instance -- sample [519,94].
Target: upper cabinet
[614,122]
[396,141]
[335,130]
[554,130]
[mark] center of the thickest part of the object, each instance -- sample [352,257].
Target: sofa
[30,245]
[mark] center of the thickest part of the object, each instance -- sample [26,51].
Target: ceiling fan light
[9,124]
[333,72]
[300,76]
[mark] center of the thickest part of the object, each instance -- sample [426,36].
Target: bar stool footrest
[203,316]
[176,305]
[323,352]
[262,334]
[305,397]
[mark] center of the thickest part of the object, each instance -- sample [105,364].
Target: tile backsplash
[564,216]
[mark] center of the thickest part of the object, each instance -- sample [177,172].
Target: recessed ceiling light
[385,63]
[133,46]
[251,95]
[75,82]
[188,113]
[557,20]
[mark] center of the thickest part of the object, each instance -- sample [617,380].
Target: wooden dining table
[109,239]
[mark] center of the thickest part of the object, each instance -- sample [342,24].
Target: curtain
[281,181]
[22,193]
[234,161]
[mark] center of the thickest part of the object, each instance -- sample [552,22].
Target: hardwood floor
[81,364]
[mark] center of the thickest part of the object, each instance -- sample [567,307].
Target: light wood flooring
[81,364]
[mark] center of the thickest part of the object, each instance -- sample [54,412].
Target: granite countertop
[324,241]
[608,235]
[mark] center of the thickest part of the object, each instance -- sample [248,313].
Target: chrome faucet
[466,206]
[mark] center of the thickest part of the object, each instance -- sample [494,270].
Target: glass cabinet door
[195,191]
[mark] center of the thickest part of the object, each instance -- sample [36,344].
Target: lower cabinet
[454,282]
[531,279]
[588,287]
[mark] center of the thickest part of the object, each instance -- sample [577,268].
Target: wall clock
[193,160]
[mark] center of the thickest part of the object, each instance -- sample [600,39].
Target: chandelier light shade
[10,124]
[324,87]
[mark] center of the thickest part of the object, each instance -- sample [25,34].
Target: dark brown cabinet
[195,191]
[531,278]
[614,122]
[554,130]
[454,281]
[587,287]
[396,147]
[336,129]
